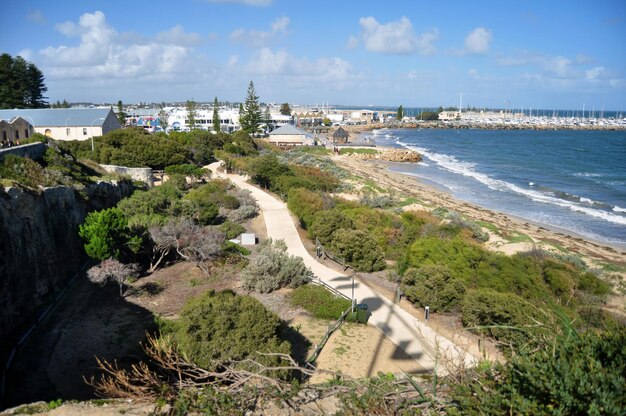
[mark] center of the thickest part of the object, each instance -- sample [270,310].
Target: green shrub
[24,170]
[326,222]
[272,268]
[221,327]
[319,301]
[461,257]
[187,170]
[232,229]
[577,375]
[358,249]
[433,286]
[503,316]
[106,235]
[284,183]
[305,204]
[265,169]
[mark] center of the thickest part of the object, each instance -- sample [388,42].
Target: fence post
[352,292]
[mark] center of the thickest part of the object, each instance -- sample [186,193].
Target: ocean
[566,179]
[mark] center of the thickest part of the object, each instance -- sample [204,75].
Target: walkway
[415,338]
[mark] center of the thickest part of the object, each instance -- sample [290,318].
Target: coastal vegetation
[544,310]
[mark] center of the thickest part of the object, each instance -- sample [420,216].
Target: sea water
[568,179]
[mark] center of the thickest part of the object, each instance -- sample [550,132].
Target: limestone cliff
[40,249]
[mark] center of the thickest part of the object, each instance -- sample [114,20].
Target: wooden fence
[332,328]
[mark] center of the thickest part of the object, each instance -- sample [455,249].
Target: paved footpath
[414,337]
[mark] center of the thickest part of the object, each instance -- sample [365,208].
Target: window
[26,133]
[17,134]
[84,131]
[67,131]
[4,136]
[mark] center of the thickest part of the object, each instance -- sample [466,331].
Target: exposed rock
[40,249]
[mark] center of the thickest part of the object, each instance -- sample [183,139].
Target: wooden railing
[332,328]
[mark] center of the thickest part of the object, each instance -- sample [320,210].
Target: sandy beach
[542,235]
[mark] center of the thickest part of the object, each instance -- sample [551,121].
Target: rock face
[40,249]
[391,155]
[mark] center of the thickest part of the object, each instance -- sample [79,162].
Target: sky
[498,54]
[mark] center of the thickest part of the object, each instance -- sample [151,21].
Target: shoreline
[542,235]
[458,125]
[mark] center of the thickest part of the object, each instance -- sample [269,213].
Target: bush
[504,316]
[265,169]
[319,301]
[433,286]
[23,170]
[577,375]
[187,170]
[305,204]
[326,222]
[221,327]
[272,268]
[106,235]
[231,229]
[358,249]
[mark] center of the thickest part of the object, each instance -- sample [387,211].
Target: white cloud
[396,37]
[267,62]
[352,42]
[477,41]
[233,60]
[594,73]
[256,38]
[258,3]
[558,65]
[177,36]
[103,52]
[36,16]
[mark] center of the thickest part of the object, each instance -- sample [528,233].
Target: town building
[11,132]
[288,136]
[62,123]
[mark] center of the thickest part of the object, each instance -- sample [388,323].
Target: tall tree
[21,83]
[251,118]
[216,116]
[191,114]
[400,113]
[35,88]
[6,71]
[121,115]
[285,109]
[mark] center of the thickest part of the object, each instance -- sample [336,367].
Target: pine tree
[21,83]
[121,115]
[285,109]
[251,118]
[35,88]
[400,113]
[216,116]
[191,114]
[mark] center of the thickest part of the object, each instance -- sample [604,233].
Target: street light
[93,149]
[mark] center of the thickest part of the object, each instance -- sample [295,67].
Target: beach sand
[429,197]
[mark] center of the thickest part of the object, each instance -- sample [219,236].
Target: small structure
[340,136]
[289,136]
[248,239]
[11,132]
[65,123]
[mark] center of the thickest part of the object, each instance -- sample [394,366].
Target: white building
[179,120]
[289,135]
[67,123]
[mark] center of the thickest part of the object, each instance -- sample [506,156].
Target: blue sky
[539,54]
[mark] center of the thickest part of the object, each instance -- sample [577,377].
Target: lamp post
[93,148]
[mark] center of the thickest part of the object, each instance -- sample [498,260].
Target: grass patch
[489,226]
[373,186]
[319,301]
[350,151]
[517,237]
[612,267]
